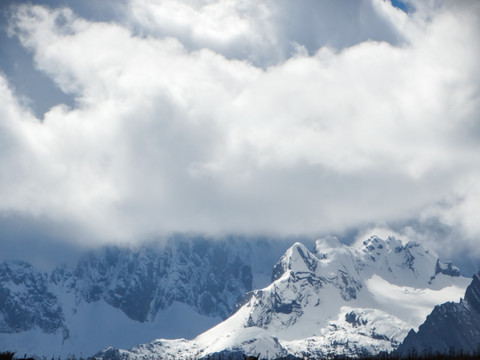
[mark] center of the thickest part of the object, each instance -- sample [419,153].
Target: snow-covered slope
[335,300]
[450,326]
[121,297]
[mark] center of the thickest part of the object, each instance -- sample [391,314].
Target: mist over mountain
[123,120]
[235,134]
[334,300]
[123,296]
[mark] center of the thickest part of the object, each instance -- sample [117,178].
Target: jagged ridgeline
[451,327]
[334,300]
[122,297]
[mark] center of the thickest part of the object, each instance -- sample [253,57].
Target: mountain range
[333,300]
[125,296]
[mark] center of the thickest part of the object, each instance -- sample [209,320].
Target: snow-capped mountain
[334,300]
[121,297]
[450,326]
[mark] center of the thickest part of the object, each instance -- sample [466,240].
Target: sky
[122,121]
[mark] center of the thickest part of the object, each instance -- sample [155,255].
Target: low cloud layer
[246,117]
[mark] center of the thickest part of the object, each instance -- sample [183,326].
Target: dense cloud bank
[276,117]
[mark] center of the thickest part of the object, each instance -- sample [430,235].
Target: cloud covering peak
[239,116]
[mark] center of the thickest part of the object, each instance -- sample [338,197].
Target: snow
[155,285]
[373,326]
[338,300]
[93,326]
[411,304]
[327,243]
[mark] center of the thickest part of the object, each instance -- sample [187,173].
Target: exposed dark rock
[472,294]
[207,275]
[446,269]
[26,300]
[355,319]
[449,326]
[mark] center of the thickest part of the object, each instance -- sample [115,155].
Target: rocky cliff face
[26,300]
[472,294]
[450,327]
[335,300]
[113,287]
[332,300]
[208,277]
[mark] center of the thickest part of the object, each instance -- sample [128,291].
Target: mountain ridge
[196,281]
[451,326]
[334,300]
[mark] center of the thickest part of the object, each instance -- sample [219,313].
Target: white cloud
[460,211]
[212,117]
[266,32]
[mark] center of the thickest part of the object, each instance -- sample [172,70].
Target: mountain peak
[391,243]
[297,259]
[337,300]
